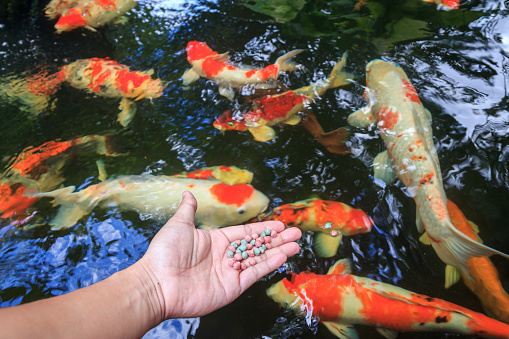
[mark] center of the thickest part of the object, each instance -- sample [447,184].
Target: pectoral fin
[294,120]
[103,175]
[418,223]
[189,77]
[362,118]
[128,110]
[341,266]
[326,245]
[383,168]
[425,239]
[389,334]
[452,276]
[342,331]
[262,133]
[228,93]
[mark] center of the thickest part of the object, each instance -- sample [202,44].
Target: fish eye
[231,123]
[241,210]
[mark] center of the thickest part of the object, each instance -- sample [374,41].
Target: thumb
[187,209]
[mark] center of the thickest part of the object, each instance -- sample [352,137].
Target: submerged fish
[230,174]
[405,127]
[158,197]
[89,14]
[280,108]
[39,169]
[484,282]
[216,67]
[446,4]
[330,219]
[341,300]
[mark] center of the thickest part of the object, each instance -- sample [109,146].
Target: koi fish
[90,14]
[229,174]
[485,282]
[158,197]
[405,127]
[445,4]
[216,67]
[280,108]
[341,300]
[329,219]
[39,169]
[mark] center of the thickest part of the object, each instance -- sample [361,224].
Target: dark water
[458,61]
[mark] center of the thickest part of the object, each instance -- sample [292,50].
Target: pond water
[458,61]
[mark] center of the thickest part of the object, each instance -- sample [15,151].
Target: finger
[187,209]
[239,232]
[274,259]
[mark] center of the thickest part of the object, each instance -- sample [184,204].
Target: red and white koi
[158,197]
[90,14]
[280,108]
[341,300]
[329,219]
[485,281]
[230,174]
[216,67]
[405,127]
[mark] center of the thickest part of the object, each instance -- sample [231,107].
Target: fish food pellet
[248,248]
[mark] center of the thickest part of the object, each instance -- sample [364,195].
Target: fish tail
[456,249]
[335,141]
[338,77]
[284,64]
[71,208]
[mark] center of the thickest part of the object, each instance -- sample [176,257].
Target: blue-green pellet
[234,244]
[256,251]
[238,250]
[244,255]
[252,242]
[242,247]
[268,232]
[262,249]
[243,242]
[229,254]
[263,234]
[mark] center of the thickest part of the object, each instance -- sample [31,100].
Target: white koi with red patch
[405,127]
[158,197]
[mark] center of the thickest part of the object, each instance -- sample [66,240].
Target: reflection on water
[457,61]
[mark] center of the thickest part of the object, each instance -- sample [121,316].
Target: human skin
[184,273]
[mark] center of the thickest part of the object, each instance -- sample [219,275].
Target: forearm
[120,306]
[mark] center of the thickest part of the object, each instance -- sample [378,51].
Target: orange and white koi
[216,67]
[405,127]
[280,108]
[90,14]
[39,169]
[329,219]
[484,282]
[341,300]
[158,197]
[230,174]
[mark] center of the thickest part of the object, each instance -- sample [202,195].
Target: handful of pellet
[249,247]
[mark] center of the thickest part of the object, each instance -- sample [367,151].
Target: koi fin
[71,210]
[311,124]
[455,248]
[294,120]
[359,4]
[341,266]
[383,168]
[103,175]
[284,64]
[121,20]
[452,276]
[425,239]
[224,58]
[342,331]
[127,111]
[325,245]
[362,118]
[338,77]
[418,222]
[335,141]
[150,72]
[476,230]
[389,334]
[189,77]
[90,28]
[228,93]
[262,133]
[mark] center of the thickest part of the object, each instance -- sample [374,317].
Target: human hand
[189,269]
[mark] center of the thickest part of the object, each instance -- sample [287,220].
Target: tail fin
[338,77]
[335,141]
[71,209]
[283,61]
[456,249]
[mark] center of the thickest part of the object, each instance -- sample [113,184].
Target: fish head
[380,73]
[230,122]
[359,222]
[450,4]
[13,201]
[234,175]
[237,203]
[197,50]
[71,19]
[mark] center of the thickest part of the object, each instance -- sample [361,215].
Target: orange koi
[216,67]
[341,300]
[229,174]
[484,282]
[329,219]
[445,4]
[90,14]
